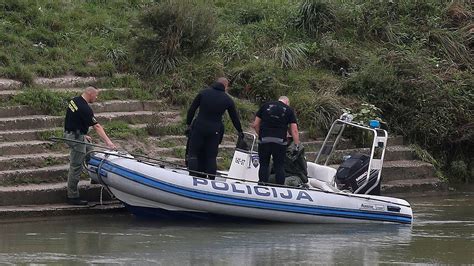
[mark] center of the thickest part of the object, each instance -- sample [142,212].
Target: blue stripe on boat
[252,203]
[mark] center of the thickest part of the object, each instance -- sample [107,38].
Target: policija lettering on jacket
[205,133]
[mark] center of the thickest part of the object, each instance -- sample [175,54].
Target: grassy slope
[412,59]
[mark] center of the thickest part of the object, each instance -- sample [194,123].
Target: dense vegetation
[409,63]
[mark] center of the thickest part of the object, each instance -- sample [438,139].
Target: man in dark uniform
[271,124]
[79,117]
[207,130]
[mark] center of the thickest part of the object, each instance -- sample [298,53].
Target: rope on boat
[126,155]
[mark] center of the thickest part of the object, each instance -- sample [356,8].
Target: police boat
[345,193]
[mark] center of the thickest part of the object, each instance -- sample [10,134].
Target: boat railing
[379,140]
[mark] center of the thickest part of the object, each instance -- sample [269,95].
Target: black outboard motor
[352,174]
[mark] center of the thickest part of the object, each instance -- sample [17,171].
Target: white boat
[150,187]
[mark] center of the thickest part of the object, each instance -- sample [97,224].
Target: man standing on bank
[207,130]
[271,125]
[79,117]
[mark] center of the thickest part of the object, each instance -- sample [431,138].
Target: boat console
[358,173]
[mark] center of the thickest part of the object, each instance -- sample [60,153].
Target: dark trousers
[202,153]
[277,152]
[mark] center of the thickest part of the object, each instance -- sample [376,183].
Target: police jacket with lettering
[212,103]
[275,118]
[79,116]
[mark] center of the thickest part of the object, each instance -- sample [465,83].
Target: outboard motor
[352,174]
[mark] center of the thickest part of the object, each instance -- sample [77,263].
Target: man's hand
[111,145]
[88,138]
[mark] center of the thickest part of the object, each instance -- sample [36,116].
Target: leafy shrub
[329,53]
[460,172]
[316,16]
[365,113]
[290,55]
[429,113]
[259,80]
[457,14]
[251,14]
[122,130]
[18,72]
[450,44]
[231,46]
[5,60]
[315,110]
[171,30]
[42,100]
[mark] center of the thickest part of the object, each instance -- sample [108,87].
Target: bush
[427,112]
[290,55]
[44,101]
[122,130]
[330,54]
[315,110]
[450,45]
[232,46]
[316,16]
[19,73]
[258,80]
[170,30]
[460,172]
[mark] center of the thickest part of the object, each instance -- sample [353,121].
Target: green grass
[168,143]
[411,59]
[122,130]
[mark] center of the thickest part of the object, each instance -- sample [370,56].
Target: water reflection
[442,233]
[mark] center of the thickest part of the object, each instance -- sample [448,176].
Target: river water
[442,233]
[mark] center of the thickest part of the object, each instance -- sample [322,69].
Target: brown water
[442,233]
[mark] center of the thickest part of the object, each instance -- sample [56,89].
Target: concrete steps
[13,162]
[48,174]
[392,153]
[413,186]
[98,107]
[41,133]
[407,170]
[29,147]
[8,94]
[61,209]
[28,134]
[42,121]
[52,193]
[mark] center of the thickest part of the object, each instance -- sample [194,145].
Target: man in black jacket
[271,125]
[207,130]
[79,117]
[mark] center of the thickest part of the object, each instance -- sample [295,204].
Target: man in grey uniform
[79,117]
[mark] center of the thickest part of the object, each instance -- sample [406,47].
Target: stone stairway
[33,170]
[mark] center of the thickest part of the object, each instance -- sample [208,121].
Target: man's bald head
[284,100]
[224,81]
[90,94]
